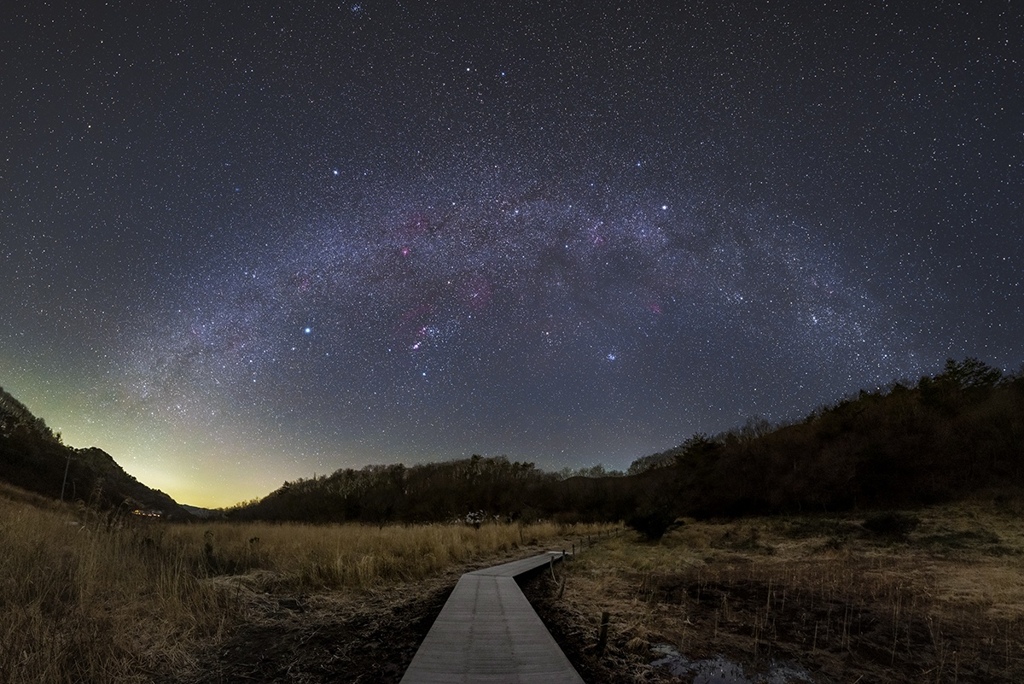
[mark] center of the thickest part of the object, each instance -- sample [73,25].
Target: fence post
[602,636]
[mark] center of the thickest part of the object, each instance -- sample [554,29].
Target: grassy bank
[94,597]
[925,596]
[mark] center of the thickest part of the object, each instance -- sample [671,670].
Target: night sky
[245,245]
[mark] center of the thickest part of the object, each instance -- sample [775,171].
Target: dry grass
[944,603]
[89,597]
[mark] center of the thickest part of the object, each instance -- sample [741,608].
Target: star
[373,175]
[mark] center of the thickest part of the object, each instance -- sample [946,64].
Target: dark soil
[374,642]
[338,637]
[845,639]
[317,639]
[754,621]
[578,635]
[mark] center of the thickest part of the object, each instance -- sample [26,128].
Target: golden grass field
[87,597]
[942,603]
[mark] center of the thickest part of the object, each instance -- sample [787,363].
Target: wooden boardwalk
[488,632]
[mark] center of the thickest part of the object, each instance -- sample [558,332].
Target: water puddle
[721,670]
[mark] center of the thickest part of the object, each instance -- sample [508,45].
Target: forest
[958,432]
[941,439]
[34,457]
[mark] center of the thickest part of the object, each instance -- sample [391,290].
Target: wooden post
[602,636]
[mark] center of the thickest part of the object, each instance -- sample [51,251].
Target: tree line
[949,435]
[478,487]
[945,437]
[34,457]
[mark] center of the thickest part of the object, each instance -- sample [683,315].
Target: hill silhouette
[947,437]
[954,434]
[35,458]
[472,489]
[951,435]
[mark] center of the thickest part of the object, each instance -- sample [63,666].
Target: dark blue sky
[239,246]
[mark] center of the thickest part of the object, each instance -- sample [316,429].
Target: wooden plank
[516,568]
[488,632]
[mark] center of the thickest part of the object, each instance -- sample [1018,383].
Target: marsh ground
[934,595]
[367,635]
[90,596]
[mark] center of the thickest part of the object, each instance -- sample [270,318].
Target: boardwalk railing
[488,632]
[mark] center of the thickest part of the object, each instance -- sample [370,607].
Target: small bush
[652,523]
[891,524]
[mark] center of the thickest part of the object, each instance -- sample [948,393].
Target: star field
[240,245]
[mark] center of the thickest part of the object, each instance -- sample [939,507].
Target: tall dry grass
[298,556]
[91,597]
[944,602]
[80,602]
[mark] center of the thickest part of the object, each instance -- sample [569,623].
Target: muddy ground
[762,600]
[324,638]
[798,600]
[339,637]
